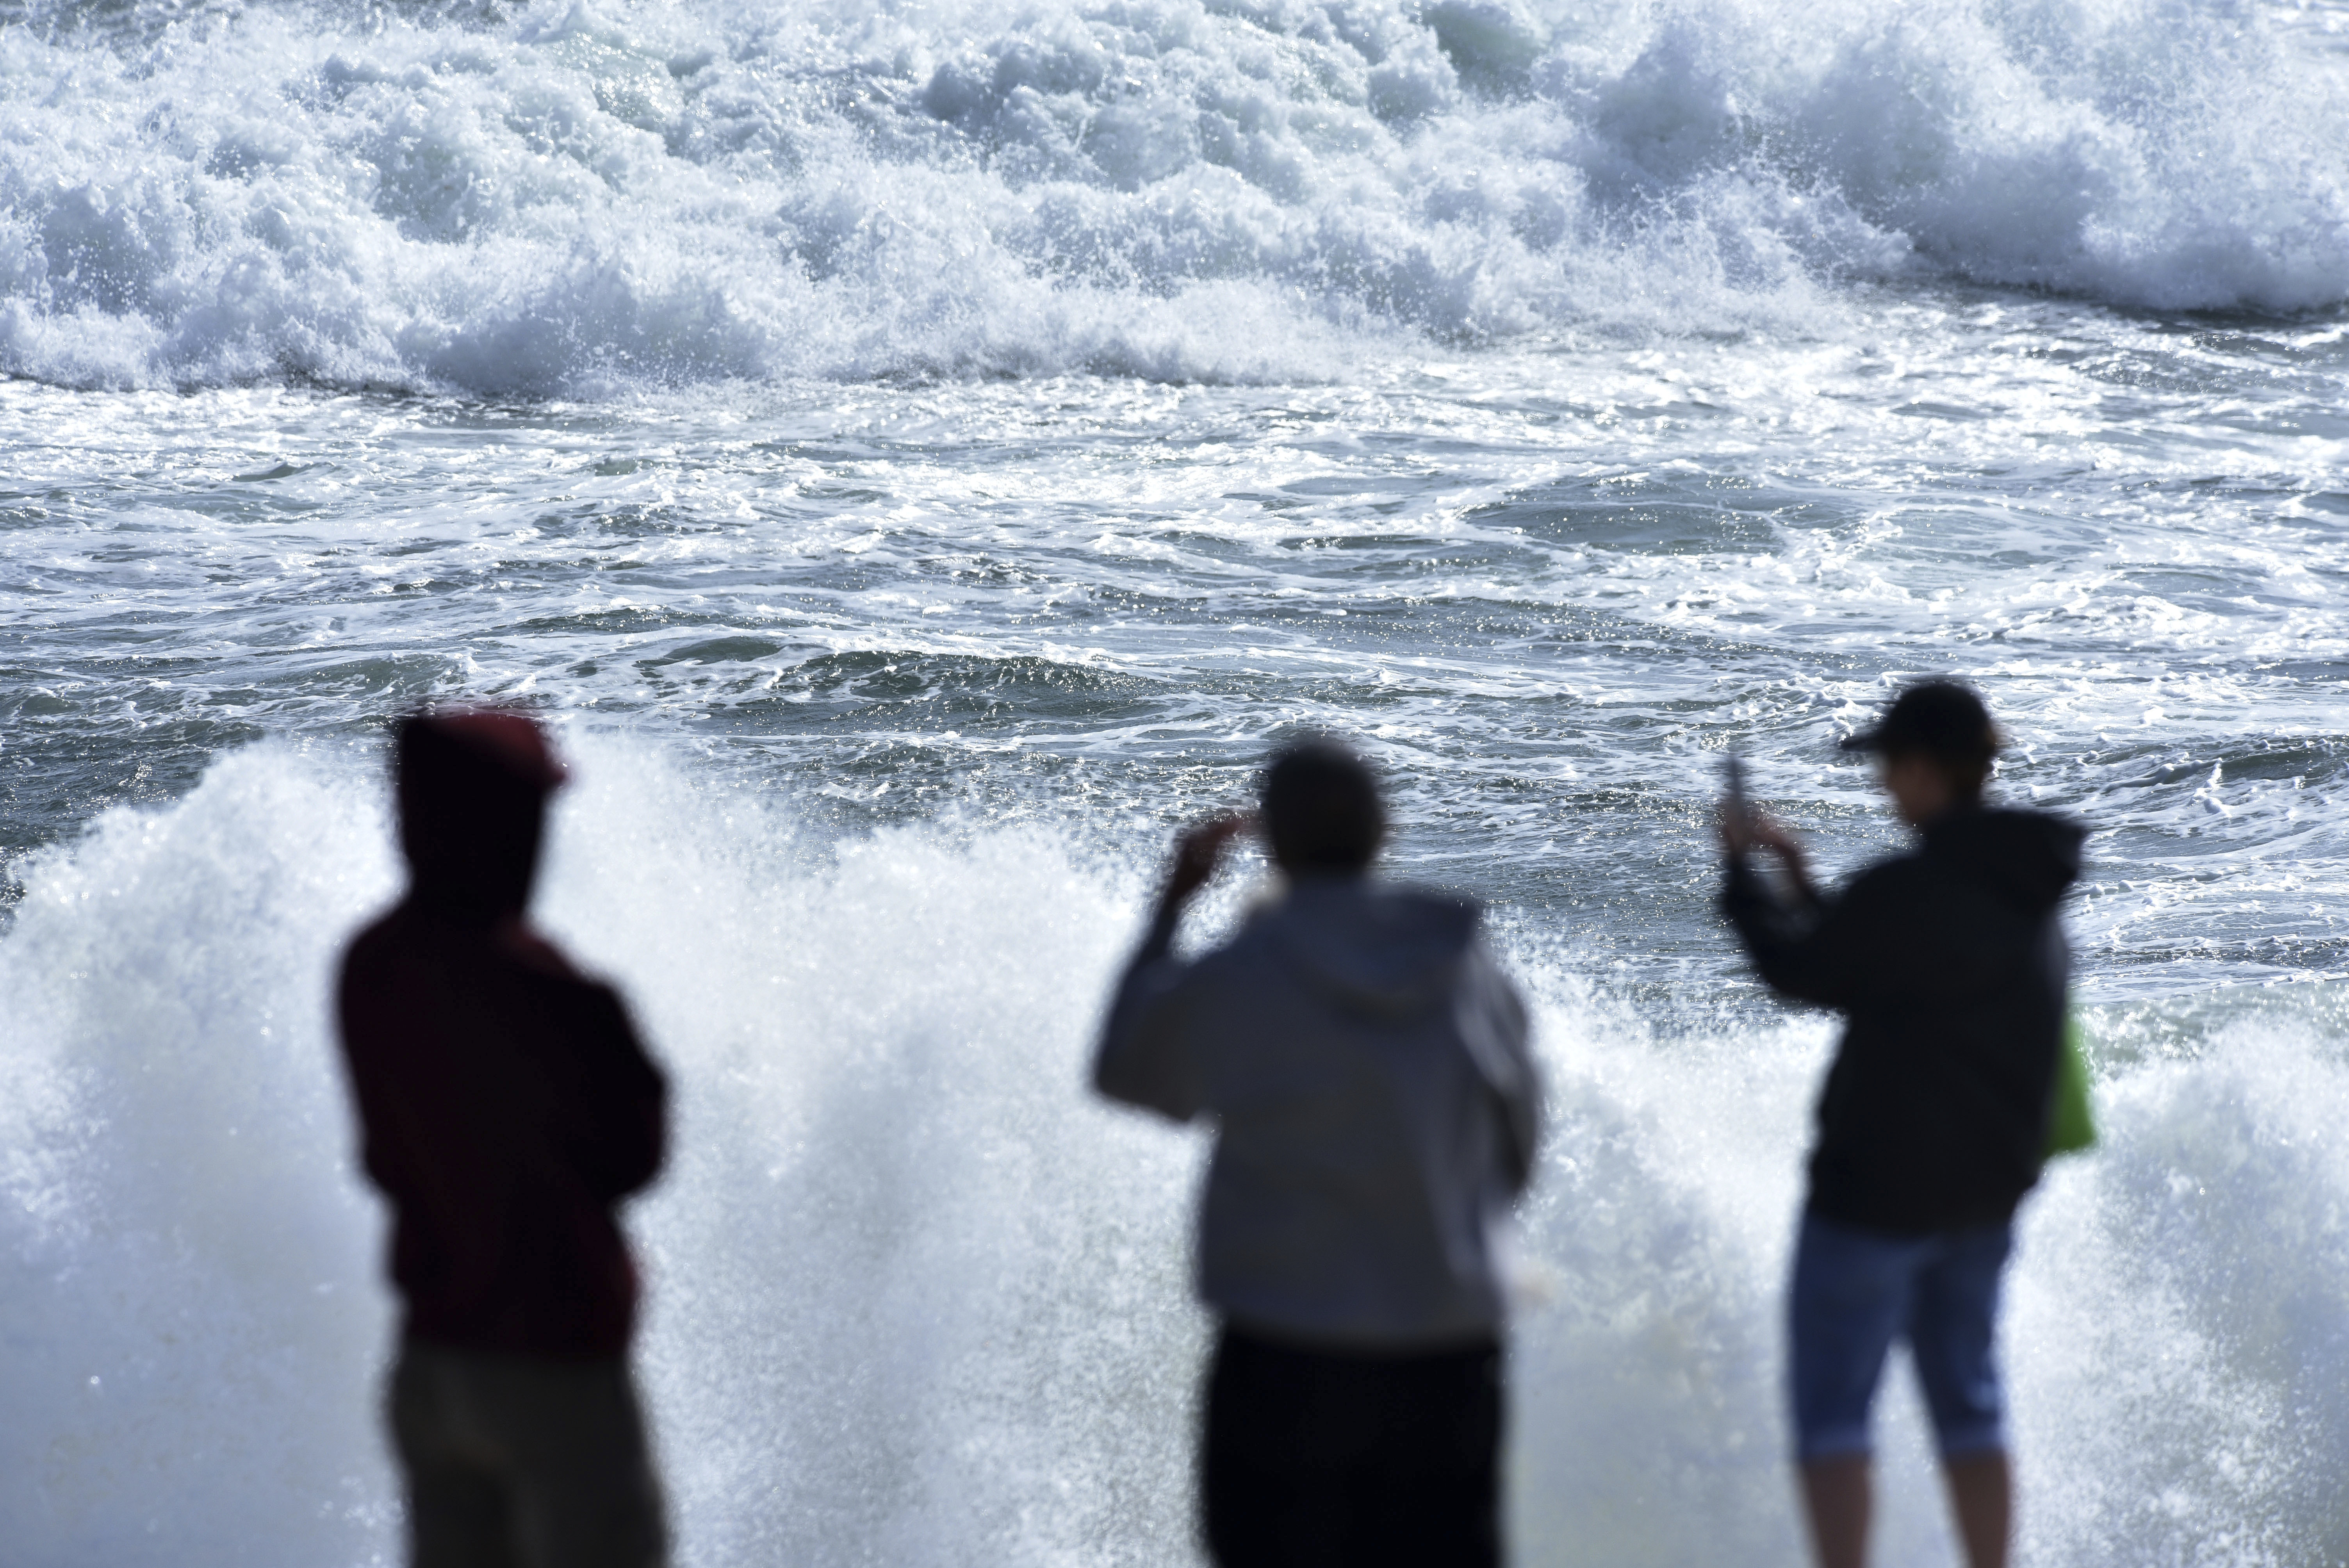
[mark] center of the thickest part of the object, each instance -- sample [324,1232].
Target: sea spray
[187,1261]
[915,1298]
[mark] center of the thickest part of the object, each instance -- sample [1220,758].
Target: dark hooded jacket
[1951,965]
[506,1105]
[1376,1109]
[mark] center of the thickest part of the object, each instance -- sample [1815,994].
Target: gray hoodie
[1367,1067]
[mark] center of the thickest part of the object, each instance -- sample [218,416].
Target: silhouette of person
[1950,967]
[1366,1066]
[506,1108]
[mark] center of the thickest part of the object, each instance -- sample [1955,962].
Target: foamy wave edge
[576,199]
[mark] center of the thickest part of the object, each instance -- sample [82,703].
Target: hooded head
[1321,811]
[472,787]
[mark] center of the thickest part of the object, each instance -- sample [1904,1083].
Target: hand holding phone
[1199,849]
[1736,813]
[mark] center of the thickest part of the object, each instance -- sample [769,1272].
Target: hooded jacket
[1376,1106]
[1950,965]
[506,1106]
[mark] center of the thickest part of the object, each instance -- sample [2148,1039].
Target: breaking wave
[577,198]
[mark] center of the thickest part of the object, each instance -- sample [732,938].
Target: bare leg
[1836,1497]
[1981,1493]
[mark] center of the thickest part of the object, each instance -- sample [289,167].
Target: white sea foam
[577,197]
[915,1300]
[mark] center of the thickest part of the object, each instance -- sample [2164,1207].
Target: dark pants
[1353,1460]
[518,1462]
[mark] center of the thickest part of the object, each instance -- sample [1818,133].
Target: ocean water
[916,455]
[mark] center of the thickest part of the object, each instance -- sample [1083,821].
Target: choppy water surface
[1550,587]
[916,455]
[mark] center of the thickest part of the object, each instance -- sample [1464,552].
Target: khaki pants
[518,1462]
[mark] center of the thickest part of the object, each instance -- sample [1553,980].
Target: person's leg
[457,1505]
[1282,1427]
[1848,1300]
[1837,1501]
[1239,1506]
[584,1493]
[1981,1495]
[1428,1493]
[1952,1329]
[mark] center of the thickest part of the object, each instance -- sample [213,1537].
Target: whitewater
[917,455]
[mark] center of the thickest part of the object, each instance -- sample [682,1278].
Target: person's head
[472,787]
[1935,744]
[1320,810]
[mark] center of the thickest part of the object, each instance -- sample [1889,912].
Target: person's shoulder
[533,950]
[1432,904]
[381,943]
[404,938]
[1405,903]
[1901,872]
[2025,856]
[2031,830]
[392,970]
[1252,953]
[1250,944]
[545,964]
[1363,908]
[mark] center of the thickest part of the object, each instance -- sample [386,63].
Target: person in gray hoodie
[1366,1066]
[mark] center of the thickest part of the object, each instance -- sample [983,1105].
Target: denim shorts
[1856,1290]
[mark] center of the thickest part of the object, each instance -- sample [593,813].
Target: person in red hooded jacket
[506,1109]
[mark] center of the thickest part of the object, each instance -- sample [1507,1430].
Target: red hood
[472,787]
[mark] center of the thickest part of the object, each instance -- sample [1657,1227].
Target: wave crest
[572,198]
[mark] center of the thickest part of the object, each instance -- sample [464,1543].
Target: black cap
[1942,719]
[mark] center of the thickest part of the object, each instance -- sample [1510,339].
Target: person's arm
[1144,1057]
[627,1100]
[611,1101]
[1745,829]
[1804,945]
[421,1138]
[375,1109]
[1494,1027]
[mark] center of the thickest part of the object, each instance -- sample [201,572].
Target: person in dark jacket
[1376,1110]
[1950,965]
[506,1108]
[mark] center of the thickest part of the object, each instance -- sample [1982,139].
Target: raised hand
[1744,826]
[1198,851]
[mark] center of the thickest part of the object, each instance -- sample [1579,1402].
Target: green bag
[2071,1128]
